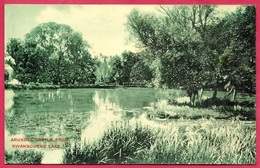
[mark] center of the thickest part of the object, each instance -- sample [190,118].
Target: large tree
[54,53]
[174,43]
[29,61]
[238,59]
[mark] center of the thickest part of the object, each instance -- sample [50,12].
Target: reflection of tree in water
[47,125]
[49,113]
[119,103]
[53,101]
[109,110]
[105,100]
[9,102]
[136,98]
[72,112]
[102,116]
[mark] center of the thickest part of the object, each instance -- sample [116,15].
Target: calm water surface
[73,114]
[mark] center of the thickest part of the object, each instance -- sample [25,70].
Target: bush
[23,157]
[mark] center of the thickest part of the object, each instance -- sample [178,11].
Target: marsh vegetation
[194,99]
[206,141]
[113,126]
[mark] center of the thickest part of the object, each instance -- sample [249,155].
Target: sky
[102,26]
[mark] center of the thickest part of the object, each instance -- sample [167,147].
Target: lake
[51,117]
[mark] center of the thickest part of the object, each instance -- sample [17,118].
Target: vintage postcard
[136,84]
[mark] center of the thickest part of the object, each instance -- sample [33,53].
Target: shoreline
[50,86]
[38,86]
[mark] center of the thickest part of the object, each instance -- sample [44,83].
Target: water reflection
[101,118]
[72,113]
[52,157]
[9,96]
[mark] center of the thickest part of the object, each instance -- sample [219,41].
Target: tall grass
[23,157]
[118,144]
[203,142]
[209,142]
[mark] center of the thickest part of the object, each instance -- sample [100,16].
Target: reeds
[208,142]
[204,142]
[118,144]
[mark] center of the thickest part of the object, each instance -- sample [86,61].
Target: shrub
[23,157]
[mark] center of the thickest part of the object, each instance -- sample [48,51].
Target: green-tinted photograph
[130,84]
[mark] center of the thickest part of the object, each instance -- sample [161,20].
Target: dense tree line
[183,46]
[126,69]
[192,45]
[52,53]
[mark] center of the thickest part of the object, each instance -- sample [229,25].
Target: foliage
[116,72]
[172,46]
[126,69]
[103,70]
[215,108]
[239,57]
[208,142]
[204,142]
[118,144]
[140,72]
[192,44]
[7,75]
[183,46]
[23,157]
[52,53]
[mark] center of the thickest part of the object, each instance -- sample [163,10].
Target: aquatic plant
[205,142]
[117,145]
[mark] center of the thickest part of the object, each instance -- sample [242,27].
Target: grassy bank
[165,109]
[243,109]
[35,86]
[203,142]
[31,86]
[23,157]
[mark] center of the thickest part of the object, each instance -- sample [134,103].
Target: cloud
[101,25]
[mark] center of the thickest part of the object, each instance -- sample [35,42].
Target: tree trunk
[215,92]
[215,89]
